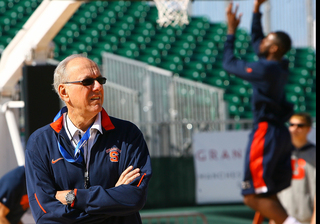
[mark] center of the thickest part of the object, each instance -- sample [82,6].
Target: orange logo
[54,161]
[298,171]
[249,70]
[114,153]
[24,202]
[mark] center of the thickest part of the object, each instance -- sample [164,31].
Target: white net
[172,12]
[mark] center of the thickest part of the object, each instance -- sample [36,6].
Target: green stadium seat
[103,4]
[217,81]
[194,31]
[299,80]
[127,53]
[221,73]
[300,72]
[207,44]
[151,52]
[293,98]
[232,99]
[141,40]
[192,74]
[159,45]
[172,58]
[201,22]
[238,81]
[152,14]
[119,32]
[169,31]
[185,45]
[205,59]
[164,38]
[181,52]
[110,38]
[195,65]
[238,90]
[294,88]
[217,64]
[144,31]
[202,50]
[5,40]
[150,59]
[171,66]
[187,38]
[104,46]
[129,45]
[3,6]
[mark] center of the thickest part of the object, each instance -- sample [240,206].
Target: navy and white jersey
[268,78]
[267,159]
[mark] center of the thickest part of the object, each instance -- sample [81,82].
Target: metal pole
[13,129]
[310,28]
[267,17]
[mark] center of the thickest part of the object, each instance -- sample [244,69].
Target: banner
[219,164]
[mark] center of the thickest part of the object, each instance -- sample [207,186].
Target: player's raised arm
[232,19]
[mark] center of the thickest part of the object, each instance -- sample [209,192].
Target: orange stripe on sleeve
[141,179]
[256,155]
[39,203]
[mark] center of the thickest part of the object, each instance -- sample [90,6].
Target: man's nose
[97,85]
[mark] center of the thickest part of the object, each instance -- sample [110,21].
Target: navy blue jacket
[121,145]
[13,194]
[268,78]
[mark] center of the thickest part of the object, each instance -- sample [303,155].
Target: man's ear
[63,92]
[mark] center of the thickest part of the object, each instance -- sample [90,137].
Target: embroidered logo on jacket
[114,153]
[56,160]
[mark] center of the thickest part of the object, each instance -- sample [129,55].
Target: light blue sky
[287,15]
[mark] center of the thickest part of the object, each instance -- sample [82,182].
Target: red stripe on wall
[256,155]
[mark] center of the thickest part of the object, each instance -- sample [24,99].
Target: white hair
[60,73]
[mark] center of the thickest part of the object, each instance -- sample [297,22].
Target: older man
[86,167]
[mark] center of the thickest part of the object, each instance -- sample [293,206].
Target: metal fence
[167,109]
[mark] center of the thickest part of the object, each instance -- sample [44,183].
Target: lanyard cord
[78,155]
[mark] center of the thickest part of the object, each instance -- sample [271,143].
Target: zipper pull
[86,179]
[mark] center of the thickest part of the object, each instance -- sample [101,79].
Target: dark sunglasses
[89,81]
[298,125]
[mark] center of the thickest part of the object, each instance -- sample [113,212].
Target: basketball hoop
[172,12]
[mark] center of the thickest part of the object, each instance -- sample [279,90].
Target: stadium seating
[129,28]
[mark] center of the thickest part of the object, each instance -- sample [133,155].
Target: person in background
[13,196]
[299,198]
[267,160]
[86,166]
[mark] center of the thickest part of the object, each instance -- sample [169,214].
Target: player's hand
[128,176]
[232,19]
[257,4]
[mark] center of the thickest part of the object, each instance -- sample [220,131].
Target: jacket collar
[306,146]
[105,122]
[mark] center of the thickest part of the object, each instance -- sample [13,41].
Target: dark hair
[284,41]
[305,116]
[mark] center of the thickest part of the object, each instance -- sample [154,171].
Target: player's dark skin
[269,206]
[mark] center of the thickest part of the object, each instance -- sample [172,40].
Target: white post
[13,129]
